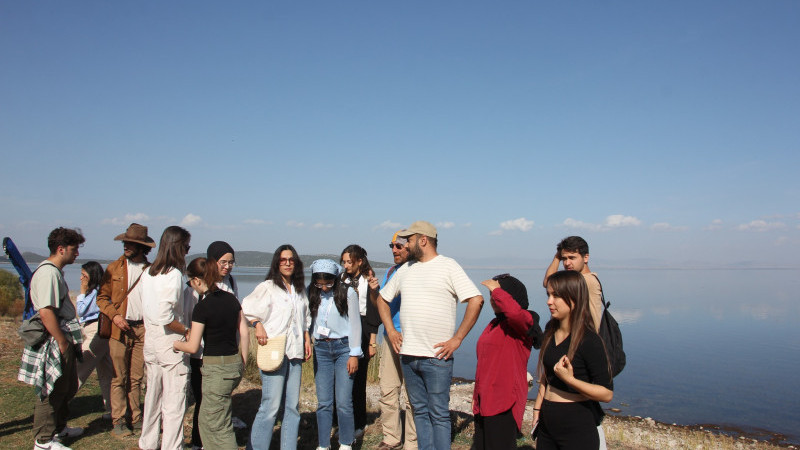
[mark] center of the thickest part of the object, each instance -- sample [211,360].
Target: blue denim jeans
[428,387]
[331,378]
[274,385]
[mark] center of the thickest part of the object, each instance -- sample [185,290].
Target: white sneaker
[52,445]
[345,447]
[323,448]
[69,432]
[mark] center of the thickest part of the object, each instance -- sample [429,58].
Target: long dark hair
[95,272]
[206,270]
[356,252]
[571,287]
[315,293]
[171,251]
[298,279]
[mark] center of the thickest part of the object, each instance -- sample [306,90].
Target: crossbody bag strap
[602,292]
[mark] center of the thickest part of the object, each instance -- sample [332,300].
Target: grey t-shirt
[48,288]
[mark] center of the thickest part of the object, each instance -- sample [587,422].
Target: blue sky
[663,132]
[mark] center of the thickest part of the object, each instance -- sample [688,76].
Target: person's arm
[519,319]
[394,336]
[86,304]
[192,344]
[448,347]
[50,322]
[355,331]
[307,345]
[244,338]
[552,268]
[596,392]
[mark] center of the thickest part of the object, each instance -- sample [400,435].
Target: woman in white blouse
[279,305]
[167,370]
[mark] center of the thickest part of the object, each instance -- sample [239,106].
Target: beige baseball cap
[419,227]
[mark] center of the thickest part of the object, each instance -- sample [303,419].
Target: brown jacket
[113,296]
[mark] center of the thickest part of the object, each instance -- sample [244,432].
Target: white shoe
[52,445]
[69,432]
[238,423]
[323,448]
[345,447]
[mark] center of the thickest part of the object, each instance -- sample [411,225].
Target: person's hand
[396,339]
[63,345]
[447,348]
[373,281]
[121,323]
[557,257]
[187,334]
[261,334]
[491,284]
[372,350]
[84,284]
[352,364]
[307,349]
[563,369]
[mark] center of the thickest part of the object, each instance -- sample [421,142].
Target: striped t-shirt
[428,310]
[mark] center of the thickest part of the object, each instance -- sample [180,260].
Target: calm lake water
[704,346]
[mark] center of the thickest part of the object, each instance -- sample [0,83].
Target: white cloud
[572,223]
[496,233]
[664,226]
[257,222]
[446,225]
[320,225]
[295,224]
[715,224]
[191,220]
[521,224]
[761,225]
[618,220]
[127,219]
[388,225]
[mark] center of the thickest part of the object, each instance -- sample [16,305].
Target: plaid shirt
[41,366]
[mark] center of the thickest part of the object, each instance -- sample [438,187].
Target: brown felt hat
[137,233]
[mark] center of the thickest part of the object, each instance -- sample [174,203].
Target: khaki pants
[96,355]
[219,381]
[391,382]
[126,386]
[50,414]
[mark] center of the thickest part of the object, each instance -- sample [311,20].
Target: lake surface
[704,346]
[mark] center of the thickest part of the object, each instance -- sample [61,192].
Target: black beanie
[218,249]
[517,290]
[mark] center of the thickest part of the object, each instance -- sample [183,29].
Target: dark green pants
[219,381]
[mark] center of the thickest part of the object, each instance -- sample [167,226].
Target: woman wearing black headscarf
[501,384]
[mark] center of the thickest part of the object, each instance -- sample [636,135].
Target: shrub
[12,301]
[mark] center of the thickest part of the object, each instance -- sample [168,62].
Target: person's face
[350,265]
[559,308]
[399,252]
[325,285]
[69,253]
[414,251]
[573,261]
[84,276]
[225,264]
[287,263]
[131,250]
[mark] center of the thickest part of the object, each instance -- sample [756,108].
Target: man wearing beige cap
[120,299]
[431,285]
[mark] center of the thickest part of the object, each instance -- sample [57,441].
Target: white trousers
[96,355]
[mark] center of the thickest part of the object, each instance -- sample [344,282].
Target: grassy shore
[16,415]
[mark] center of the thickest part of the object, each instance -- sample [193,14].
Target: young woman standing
[167,370]
[574,373]
[279,305]
[337,348]
[218,321]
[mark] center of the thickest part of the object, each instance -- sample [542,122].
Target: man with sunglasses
[430,284]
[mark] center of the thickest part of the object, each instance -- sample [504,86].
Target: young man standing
[573,253]
[120,299]
[431,285]
[390,372]
[50,297]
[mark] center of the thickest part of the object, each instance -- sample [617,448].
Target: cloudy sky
[660,131]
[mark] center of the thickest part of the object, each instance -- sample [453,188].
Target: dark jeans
[360,383]
[50,413]
[197,392]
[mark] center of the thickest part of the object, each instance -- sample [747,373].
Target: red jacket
[503,350]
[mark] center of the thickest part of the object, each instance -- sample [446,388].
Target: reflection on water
[703,346]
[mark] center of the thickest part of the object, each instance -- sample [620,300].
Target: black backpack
[612,336]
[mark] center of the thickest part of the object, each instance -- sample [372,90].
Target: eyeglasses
[324,285]
[226,263]
[287,261]
[397,246]
[501,276]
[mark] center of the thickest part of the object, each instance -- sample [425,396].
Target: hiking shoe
[385,446]
[121,430]
[52,445]
[137,427]
[69,432]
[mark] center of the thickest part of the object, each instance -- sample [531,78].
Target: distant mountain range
[243,259]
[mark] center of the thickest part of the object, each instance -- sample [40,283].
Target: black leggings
[567,426]
[498,432]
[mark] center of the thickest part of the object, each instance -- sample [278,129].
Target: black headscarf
[519,293]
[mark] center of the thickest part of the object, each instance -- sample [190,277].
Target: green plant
[11,299]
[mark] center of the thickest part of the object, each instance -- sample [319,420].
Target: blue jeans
[331,375]
[428,387]
[274,385]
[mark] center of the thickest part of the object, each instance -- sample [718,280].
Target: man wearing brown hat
[431,284]
[120,299]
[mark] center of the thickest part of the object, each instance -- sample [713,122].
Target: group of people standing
[164,311]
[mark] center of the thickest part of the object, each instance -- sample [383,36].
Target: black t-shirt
[219,312]
[590,363]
